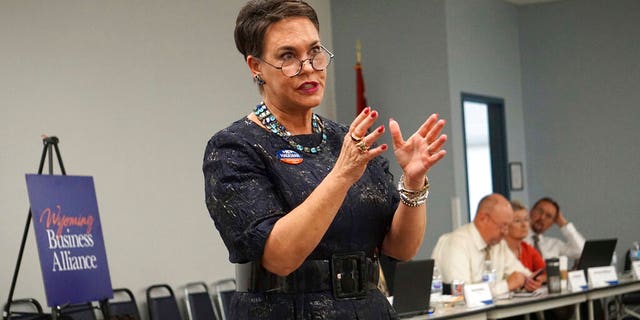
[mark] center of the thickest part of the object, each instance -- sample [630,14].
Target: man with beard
[543,215]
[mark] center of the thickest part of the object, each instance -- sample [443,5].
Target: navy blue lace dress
[249,187]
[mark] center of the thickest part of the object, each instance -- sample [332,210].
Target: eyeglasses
[292,66]
[539,212]
[502,227]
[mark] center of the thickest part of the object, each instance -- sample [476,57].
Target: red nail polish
[374,114]
[366,110]
[381,129]
[383,147]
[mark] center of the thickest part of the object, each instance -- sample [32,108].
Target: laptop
[412,287]
[596,253]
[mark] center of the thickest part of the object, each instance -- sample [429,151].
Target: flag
[361,100]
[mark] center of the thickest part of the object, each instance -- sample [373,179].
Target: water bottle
[634,252]
[436,283]
[489,273]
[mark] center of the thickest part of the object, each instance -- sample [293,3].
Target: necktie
[487,253]
[536,243]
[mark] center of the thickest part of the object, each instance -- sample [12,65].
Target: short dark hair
[547,199]
[257,15]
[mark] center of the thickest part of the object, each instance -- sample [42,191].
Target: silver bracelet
[413,198]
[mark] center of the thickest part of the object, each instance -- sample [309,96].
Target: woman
[305,205]
[518,230]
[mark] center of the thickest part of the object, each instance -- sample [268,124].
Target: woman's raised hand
[420,152]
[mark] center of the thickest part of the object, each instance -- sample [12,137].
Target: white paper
[577,282]
[564,274]
[477,294]
[602,276]
[564,261]
[540,292]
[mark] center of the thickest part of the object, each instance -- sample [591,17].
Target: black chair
[224,290]
[163,307]
[81,311]
[123,306]
[198,301]
[26,309]
[629,305]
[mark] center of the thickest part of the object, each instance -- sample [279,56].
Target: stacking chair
[81,311]
[163,307]
[198,301]
[630,305]
[224,290]
[626,306]
[26,309]
[123,306]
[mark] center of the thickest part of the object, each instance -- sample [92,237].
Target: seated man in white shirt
[460,255]
[544,213]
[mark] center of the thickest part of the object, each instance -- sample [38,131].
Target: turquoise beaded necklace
[270,121]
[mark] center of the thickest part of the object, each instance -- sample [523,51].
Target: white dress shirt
[460,255]
[553,247]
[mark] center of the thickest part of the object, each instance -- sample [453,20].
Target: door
[485,148]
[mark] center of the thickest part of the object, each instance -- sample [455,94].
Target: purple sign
[69,236]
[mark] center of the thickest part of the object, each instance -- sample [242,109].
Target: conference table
[459,312]
[524,305]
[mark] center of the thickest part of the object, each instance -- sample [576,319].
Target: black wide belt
[348,275]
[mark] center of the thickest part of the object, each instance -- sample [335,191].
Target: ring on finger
[355,138]
[362,146]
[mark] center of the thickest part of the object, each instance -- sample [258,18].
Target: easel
[50,144]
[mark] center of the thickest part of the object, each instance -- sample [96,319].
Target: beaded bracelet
[413,198]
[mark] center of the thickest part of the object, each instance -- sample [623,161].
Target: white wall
[581,93]
[484,59]
[133,89]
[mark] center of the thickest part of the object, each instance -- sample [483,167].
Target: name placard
[577,281]
[602,276]
[635,267]
[69,237]
[477,294]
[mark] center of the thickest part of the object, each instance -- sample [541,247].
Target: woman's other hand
[420,151]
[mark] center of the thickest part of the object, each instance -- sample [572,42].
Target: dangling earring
[258,79]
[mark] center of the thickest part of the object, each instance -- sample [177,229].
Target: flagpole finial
[358,52]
